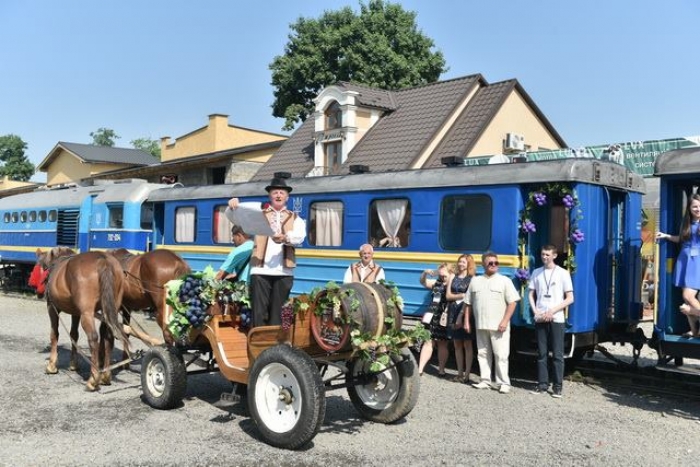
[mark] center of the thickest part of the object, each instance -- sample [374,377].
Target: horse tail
[110,308]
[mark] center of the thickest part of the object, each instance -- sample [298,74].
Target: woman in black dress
[440,317]
[462,340]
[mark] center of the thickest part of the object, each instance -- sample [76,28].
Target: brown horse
[146,276]
[81,285]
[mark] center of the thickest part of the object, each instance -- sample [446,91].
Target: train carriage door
[615,244]
[85,223]
[158,236]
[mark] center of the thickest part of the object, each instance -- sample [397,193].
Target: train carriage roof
[678,162]
[561,170]
[119,191]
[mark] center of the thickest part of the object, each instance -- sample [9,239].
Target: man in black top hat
[273,259]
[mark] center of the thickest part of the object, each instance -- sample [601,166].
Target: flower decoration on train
[541,196]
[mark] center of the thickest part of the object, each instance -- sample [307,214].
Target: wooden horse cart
[286,371]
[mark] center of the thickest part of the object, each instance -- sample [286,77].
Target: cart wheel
[163,377]
[387,396]
[286,397]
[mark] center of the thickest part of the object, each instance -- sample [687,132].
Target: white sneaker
[482,385]
[504,389]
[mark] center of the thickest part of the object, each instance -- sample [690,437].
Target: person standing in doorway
[550,292]
[492,298]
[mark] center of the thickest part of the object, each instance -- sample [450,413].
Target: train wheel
[163,378]
[387,396]
[286,397]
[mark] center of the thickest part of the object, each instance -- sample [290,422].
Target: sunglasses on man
[492,263]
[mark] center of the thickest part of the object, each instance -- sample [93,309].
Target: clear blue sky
[601,71]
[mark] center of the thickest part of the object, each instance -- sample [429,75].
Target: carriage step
[229,397]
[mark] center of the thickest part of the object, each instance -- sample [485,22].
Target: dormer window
[334,116]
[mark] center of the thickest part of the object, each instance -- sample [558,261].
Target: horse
[80,285]
[144,287]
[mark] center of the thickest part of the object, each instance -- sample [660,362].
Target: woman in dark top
[456,289]
[440,320]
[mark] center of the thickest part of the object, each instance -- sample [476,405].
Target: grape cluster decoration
[554,193]
[193,295]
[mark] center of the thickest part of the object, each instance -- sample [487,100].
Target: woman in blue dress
[686,273]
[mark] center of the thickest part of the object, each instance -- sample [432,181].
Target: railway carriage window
[116,216]
[221,228]
[185,223]
[390,223]
[32,216]
[15,217]
[6,217]
[146,216]
[23,216]
[42,216]
[326,223]
[465,222]
[53,215]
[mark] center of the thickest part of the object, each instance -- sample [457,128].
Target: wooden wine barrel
[331,329]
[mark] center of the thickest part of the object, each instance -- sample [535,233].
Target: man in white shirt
[365,270]
[273,260]
[550,292]
[492,298]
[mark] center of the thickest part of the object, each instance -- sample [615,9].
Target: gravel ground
[52,420]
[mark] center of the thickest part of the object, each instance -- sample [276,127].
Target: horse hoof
[51,369]
[91,385]
[73,367]
[106,380]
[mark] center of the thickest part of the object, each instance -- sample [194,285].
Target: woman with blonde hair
[461,338]
[439,317]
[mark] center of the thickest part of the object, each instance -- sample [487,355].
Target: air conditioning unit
[514,142]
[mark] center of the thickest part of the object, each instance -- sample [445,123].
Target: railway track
[665,380]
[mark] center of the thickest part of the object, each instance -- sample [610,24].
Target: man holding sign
[273,259]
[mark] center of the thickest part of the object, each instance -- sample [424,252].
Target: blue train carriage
[418,219]
[105,215]
[679,178]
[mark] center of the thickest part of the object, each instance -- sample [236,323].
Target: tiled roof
[472,122]
[295,156]
[101,154]
[94,153]
[412,120]
[399,137]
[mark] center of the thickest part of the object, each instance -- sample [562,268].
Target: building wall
[66,168]
[218,135]
[515,116]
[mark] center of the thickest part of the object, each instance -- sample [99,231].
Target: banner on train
[638,156]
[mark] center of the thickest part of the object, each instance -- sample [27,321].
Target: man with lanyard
[273,259]
[550,292]
[236,267]
[492,298]
[365,270]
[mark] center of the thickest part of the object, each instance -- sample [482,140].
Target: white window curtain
[222,226]
[391,214]
[328,217]
[184,224]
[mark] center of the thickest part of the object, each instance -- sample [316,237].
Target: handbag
[427,317]
[443,318]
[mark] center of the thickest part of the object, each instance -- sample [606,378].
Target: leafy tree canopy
[15,163]
[104,137]
[381,47]
[148,145]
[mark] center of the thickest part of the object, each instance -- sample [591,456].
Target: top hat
[278,183]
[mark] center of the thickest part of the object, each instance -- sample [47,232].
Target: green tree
[15,163]
[381,47]
[104,137]
[148,145]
